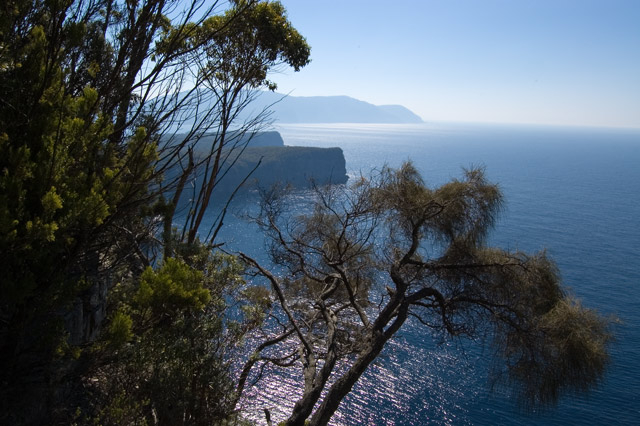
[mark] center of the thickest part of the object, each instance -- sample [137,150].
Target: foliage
[390,249]
[237,50]
[89,91]
[71,185]
[242,48]
[172,288]
[167,351]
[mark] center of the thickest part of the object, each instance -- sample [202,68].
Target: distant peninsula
[329,109]
[300,167]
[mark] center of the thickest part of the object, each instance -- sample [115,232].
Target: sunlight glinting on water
[408,384]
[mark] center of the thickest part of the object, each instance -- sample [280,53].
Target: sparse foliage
[236,51]
[389,250]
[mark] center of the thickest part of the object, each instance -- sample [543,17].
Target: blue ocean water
[572,191]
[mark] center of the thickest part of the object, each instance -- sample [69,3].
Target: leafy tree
[72,182]
[389,250]
[165,357]
[90,90]
[236,51]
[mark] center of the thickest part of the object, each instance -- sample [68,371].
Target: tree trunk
[343,385]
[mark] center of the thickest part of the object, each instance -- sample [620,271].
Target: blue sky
[564,62]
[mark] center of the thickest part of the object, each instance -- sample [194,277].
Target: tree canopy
[389,250]
[92,94]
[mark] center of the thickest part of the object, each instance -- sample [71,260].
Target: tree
[165,357]
[237,49]
[75,173]
[389,250]
[90,93]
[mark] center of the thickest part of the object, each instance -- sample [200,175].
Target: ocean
[572,191]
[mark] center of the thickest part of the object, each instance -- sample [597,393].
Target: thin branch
[275,284]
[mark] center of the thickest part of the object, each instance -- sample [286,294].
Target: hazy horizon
[568,63]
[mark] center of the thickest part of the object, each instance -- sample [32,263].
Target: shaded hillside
[404,115]
[317,109]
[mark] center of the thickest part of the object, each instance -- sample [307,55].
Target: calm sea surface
[572,191]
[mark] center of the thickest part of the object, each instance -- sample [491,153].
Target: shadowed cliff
[294,165]
[279,164]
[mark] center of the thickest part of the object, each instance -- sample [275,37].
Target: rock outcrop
[294,165]
[290,165]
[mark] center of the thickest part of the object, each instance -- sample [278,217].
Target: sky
[558,62]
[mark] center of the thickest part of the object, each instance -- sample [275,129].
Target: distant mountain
[315,109]
[330,109]
[402,113]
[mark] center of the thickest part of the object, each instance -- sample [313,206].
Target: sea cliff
[294,165]
[264,160]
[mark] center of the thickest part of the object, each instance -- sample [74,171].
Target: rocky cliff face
[43,386]
[294,165]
